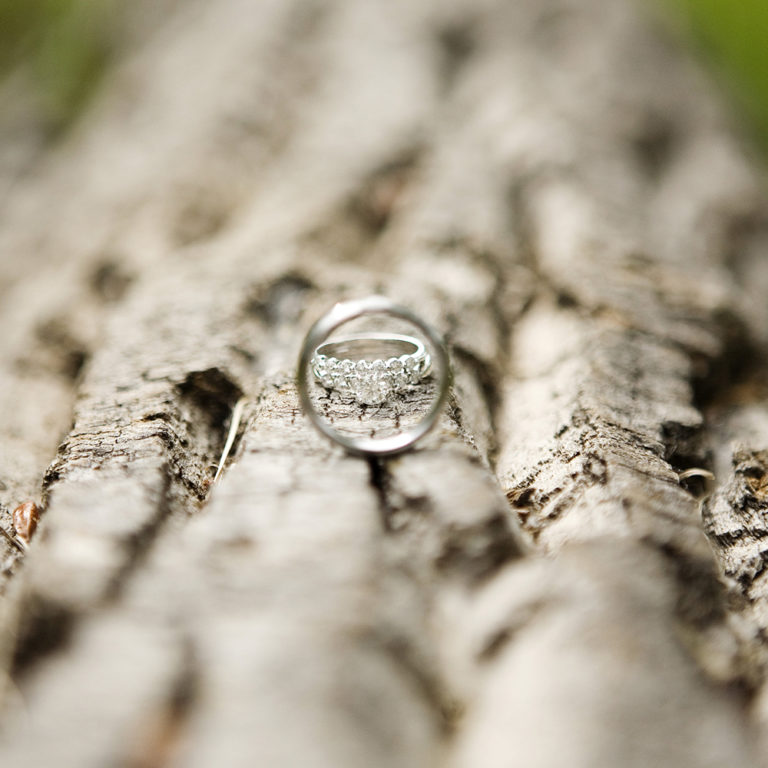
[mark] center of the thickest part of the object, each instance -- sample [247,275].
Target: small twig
[13,540]
[234,425]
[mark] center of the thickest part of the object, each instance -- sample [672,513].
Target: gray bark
[553,185]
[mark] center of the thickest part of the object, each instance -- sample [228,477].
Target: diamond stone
[411,366]
[323,373]
[343,384]
[396,372]
[372,390]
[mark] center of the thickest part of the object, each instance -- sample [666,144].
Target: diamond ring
[371,367]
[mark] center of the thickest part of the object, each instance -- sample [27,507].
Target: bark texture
[555,187]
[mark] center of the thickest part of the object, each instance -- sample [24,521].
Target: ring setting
[348,365]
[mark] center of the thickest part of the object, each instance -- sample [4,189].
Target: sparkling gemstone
[372,390]
[323,373]
[396,373]
[411,365]
[341,382]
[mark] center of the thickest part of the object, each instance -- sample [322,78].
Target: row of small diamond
[369,381]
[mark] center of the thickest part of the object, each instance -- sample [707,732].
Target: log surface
[568,571]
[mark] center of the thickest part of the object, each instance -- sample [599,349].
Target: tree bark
[555,187]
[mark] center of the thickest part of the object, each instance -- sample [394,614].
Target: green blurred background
[66,45]
[732,36]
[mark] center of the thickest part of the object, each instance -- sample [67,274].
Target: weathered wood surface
[555,187]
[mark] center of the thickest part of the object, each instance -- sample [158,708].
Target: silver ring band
[339,315]
[355,365]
